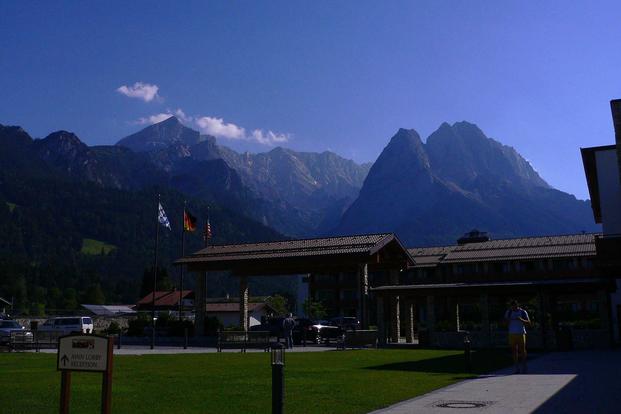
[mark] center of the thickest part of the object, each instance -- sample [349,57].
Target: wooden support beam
[395,321]
[243,303]
[363,294]
[409,321]
[381,320]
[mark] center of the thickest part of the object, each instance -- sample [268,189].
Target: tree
[163,281]
[314,310]
[94,295]
[20,294]
[278,303]
[70,301]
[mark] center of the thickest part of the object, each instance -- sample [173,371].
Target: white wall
[609,191]
[232,318]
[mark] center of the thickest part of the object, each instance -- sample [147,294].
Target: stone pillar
[243,302]
[381,321]
[409,321]
[199,303]
[363,293]
[486,334]
[395,321]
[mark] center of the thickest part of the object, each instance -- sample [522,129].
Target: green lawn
[325,382]
[96,247]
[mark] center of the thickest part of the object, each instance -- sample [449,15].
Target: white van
[68,325]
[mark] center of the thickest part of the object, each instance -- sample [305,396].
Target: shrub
[212,325]
[113,328]
[136,326]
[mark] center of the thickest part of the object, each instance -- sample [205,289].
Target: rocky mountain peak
[404,152]
[462,153]
[62,145]
[158,136]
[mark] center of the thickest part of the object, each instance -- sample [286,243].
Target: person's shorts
[518,340]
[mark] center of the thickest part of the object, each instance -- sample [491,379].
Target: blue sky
[320,75]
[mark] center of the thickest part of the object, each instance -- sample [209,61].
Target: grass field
[317,382]
[96,247]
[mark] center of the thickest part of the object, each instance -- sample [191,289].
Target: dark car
[307,330]
[347,323]
[6,327]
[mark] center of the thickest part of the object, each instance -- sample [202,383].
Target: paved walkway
[571,382]
[160,350]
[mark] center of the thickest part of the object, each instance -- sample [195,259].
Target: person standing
[287,326]
[517,320]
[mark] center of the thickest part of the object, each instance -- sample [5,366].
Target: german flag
[189,221]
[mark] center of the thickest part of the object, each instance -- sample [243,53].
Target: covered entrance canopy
[359,253]
[545,291]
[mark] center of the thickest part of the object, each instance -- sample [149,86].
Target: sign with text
[83,353]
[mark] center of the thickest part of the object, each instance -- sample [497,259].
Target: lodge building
[466,287]
[570,284]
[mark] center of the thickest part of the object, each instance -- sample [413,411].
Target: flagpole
[157,241]
[182,254]
[206,241]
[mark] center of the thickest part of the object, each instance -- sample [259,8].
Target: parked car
[68,325]
[325,331]
[6,327]
[347,323]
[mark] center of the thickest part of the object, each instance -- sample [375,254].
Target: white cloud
[220,129]
[186,119]
[154,119]
[269,137]
[140,90]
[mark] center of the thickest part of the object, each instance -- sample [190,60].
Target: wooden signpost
[91,353]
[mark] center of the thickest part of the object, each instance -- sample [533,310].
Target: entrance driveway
[569,382]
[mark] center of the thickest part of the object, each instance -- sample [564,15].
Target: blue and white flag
[162,217]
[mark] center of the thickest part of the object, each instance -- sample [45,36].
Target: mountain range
[296,193]
[431,193]
[57,192]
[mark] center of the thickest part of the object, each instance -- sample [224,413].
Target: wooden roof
[525,248]
[303,255]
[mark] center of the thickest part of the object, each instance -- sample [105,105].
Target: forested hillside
[45,264]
